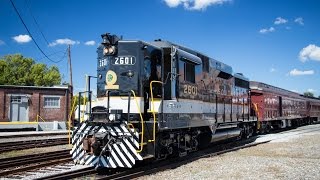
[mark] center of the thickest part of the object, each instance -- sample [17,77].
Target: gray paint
[19,111]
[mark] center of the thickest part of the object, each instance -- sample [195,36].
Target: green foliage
[308,94]
[18,70]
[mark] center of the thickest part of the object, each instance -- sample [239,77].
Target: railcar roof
[255,85]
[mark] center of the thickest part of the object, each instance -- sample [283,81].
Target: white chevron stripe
[95,161]
[112,164]
[103,161]
[120,133]
[136,143]
[112,131]
[81,128]
[114,155]
[124,128]
[78,144]
[87,162]
[117,130]
[134,151]
[82,156]
[127,153]
[75,152]
[122,156]
[102,129]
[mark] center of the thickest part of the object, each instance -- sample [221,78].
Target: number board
[124,60]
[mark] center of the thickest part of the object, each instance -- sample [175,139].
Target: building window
[15,99]
[52,102]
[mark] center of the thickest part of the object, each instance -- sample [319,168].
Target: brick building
[25,103]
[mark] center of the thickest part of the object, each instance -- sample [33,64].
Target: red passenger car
[280,108]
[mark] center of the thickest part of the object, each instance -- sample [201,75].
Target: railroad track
[14,165]
[153,167]
[144,169]
[33,135]
[19,145]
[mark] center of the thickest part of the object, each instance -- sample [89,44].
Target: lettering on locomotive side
[190,89]
[103,62]
[124,60]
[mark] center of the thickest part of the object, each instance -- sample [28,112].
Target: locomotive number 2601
[189,89]
[124,60]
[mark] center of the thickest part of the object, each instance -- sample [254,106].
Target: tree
[18,70]
[308,94]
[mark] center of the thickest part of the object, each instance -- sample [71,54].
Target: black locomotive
[159,99]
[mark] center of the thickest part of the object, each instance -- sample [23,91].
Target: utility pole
[70,67]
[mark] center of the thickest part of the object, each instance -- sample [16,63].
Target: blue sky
[273,41]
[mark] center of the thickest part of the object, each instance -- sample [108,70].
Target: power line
[64,55]
[35,21]
[57,52]
[30,33]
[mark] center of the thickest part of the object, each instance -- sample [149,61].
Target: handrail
[257,111]
[69,120]
[153,112]
[38,116]
[142,122]
[84,100]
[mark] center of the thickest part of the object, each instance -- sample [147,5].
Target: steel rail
[19,164]
[19,145]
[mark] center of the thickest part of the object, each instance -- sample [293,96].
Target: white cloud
[299,20]
[266,30]
[173,3]
[296,72]
[22,38]
[272,70]
[280,20]
[64,41]
[2,42]
[194,4]
[90,43]
[311,52]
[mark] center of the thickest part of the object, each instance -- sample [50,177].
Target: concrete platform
[33,126]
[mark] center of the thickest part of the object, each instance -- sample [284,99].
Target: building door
[19,109]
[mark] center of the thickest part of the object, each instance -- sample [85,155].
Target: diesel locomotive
[159,99]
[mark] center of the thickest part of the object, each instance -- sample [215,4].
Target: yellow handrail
[257,111]
[38,116]
[84,100]
[153,112]
[69,120]
[142,122]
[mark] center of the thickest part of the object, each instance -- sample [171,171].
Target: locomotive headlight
[105,51]
[109,50]
[112,49]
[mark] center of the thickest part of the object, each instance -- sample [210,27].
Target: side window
[189,72]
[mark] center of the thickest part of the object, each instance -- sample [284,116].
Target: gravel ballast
[290,155]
